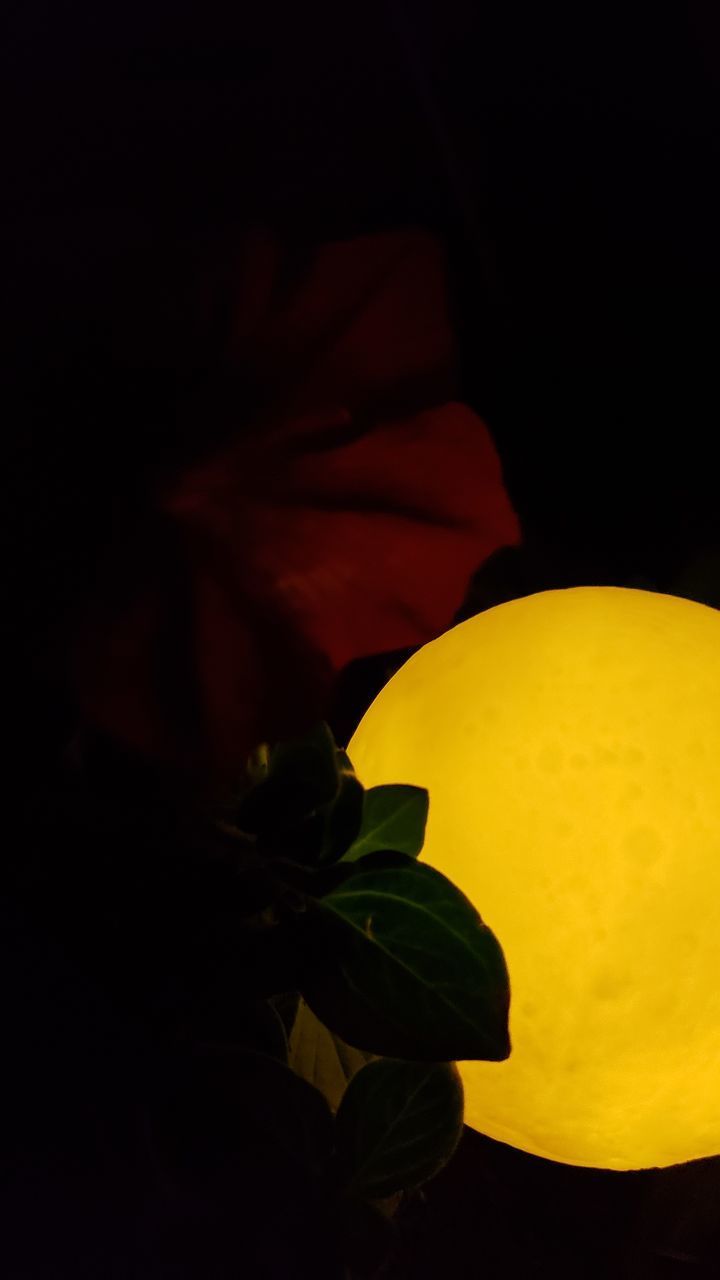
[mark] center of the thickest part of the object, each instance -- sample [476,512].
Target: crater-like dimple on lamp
[570,743]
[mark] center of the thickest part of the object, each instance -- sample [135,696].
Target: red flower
[346,522]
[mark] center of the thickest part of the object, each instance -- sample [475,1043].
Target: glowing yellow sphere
[570,742]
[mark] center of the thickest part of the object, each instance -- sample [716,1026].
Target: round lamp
[570,743]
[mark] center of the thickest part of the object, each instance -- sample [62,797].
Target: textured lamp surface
[570,742]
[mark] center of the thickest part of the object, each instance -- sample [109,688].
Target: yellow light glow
[570,742]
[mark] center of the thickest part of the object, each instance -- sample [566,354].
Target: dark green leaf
[310,882]
[321,1058]
[344,818]
[397,1125]
[397,961]
[301,778]
[393,817]
[302,843]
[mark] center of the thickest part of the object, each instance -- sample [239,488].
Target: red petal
[342,527]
